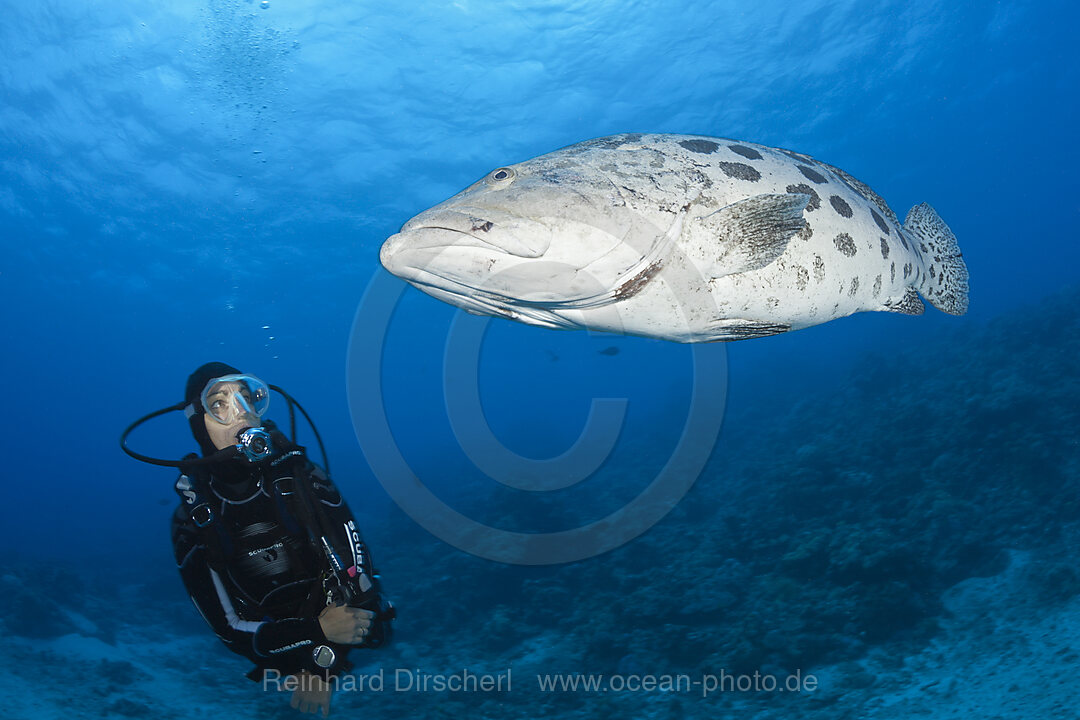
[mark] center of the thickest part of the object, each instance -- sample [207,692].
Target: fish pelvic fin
[730,329]
[747,235]
[942,260]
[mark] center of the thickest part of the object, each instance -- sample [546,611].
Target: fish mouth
[421,254]
[433,238]
[490,228]
[439,249]
[419,257]
[416,260]
[481,302]
[451,290]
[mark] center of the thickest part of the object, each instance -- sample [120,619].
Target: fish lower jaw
[467,299]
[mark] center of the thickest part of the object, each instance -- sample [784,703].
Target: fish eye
[501,175]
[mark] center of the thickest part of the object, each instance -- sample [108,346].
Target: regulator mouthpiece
[255,444]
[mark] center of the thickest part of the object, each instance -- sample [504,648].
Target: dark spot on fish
[877,286]
[773,302]
[616,141]
[806,232]
[812,175]
[932,273]
[845,244]
[482,227]
[924,248]
[746,152]
[880,221]
[840,205]
[609,350]
[863,190]
[802,277]
[804,189]
[854,287]
[892,273]
[699,179]
[705,147]
[907,270]
[884,249]
[819,268]
[740,171]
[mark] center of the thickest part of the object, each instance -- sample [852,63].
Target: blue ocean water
[212,180]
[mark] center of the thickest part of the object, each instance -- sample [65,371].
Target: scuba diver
[266,546]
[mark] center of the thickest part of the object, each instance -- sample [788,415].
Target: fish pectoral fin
[747,235]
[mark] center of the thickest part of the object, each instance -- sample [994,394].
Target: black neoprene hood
[195,384]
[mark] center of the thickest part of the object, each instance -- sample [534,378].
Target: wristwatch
[324,656]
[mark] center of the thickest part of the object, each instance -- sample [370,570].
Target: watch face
[324,656]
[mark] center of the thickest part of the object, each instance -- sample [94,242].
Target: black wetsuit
[258,572]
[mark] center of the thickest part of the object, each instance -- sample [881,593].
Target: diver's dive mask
[229,398]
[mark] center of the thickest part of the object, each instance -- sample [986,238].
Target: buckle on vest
[202,515]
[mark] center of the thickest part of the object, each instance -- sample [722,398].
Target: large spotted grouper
[679,237]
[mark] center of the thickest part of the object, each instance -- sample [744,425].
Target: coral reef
[835,529]
[846,535]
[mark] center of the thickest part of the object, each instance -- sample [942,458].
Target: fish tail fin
[947,289]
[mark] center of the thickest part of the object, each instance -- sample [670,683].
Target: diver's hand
[346,625]
[313,694]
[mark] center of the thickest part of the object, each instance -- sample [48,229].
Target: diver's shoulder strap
[193,487]
[298,495]
[290,491]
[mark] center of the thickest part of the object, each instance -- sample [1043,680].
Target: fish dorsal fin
[745,236]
